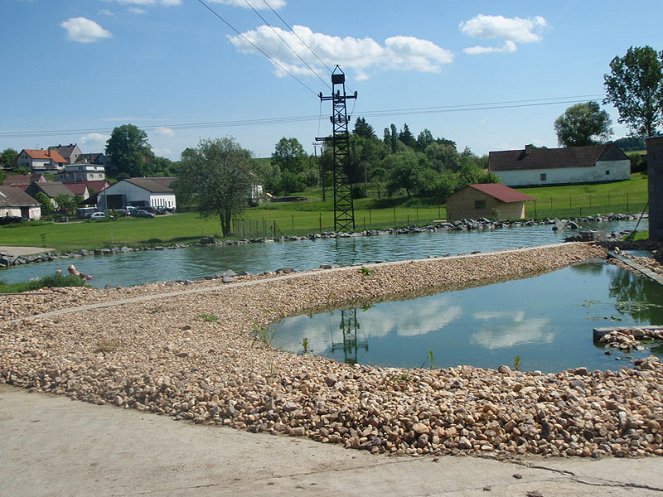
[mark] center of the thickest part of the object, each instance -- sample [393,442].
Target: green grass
[314,215]
[51,281]
[582,200]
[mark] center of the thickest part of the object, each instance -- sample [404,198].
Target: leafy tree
[216,177]
[159,166]
[443,156]
[424,139]
[290,182]
[631,143]
[404,171]
[7,158]
[635,87]
[407,138]
[45,203]
[583,124]
[129,151]
[66,204]
[363,129]
[289,155]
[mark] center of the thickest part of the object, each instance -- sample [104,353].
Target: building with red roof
[40,160]
[488,200]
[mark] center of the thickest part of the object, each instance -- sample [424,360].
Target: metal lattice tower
[351,343]
[344,213]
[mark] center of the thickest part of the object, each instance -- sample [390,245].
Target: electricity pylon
[344,212]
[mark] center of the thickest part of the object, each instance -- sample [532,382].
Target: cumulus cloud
[510,30]
[137,10]
[507,329]
[83,30]
[167,3]
[94,138]
[164,132]
[256,4]
[360,54]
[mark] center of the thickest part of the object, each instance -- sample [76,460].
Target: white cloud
[164,132]
[162,152]
[510,30]
[508,329]
[360,54]
[83,30]
[137,10]
[94,138]
[166,3]
[256,4]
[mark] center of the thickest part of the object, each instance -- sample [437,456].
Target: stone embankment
[198,353]
[482,224]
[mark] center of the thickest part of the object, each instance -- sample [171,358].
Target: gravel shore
[194,352]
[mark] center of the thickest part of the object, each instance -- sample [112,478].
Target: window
[544,176]
[607,172]
[479,204]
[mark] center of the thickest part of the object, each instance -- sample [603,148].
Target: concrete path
[22,251]
[52,446]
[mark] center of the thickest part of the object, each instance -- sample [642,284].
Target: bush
[638,162]
[50,281]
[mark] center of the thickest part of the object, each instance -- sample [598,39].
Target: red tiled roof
[53,155]
[501,192]
[77,188]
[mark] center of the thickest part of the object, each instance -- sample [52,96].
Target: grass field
[314,216]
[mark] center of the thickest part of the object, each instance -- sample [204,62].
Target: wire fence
[264,223]
[586,205]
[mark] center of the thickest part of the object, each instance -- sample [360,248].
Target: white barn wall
[619,170]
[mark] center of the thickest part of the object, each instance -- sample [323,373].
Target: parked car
[10,220]
[123,212]
[142,213]
[95,216]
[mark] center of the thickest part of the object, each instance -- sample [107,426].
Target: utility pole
[344,213]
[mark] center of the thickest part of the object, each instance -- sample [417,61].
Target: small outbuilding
[139,192]
[15,202]
[489,200]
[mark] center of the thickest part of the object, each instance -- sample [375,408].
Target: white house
[41,160]
[70,152]
[555,166]
[15,202]
[76,173]
[138,192]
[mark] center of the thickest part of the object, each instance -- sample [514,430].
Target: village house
[70,153]
[41,161]
[15,202]
[51,189]
[492,201]
[22,181]
[556,166]
[139,192]
[76,173]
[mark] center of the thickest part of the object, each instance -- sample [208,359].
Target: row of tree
[634,86]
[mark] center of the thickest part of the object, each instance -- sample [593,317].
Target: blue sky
[489,75]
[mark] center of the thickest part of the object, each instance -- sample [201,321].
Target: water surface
[546,320]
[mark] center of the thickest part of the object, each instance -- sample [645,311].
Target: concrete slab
[52,446]
[23,251]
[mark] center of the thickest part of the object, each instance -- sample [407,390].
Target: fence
[586,205]
[262,223]
[266,224]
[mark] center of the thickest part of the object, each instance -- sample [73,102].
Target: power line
[286,43]
[273,61]
[295,119]
[330,69]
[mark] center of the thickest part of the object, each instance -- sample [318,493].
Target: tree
[363,129]
[583,124]
[635,87]
[407,138]
[129,151]
[289,155]
[216,178]
[8,157]
[45,203]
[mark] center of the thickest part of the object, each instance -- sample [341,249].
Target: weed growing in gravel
[516,363]
[305,344]
[209,318]
[263,335]
[106,346]
[366,271]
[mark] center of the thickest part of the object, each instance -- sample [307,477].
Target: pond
[135,268]
[546,321]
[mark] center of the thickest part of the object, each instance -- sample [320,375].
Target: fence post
[439,212]
[535,216]
[590,201]
[417,215]
[609,201]
[570,202]
[394,214]
[370,216]
[551,207]
[293,221]
[627,206]
[320,221]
